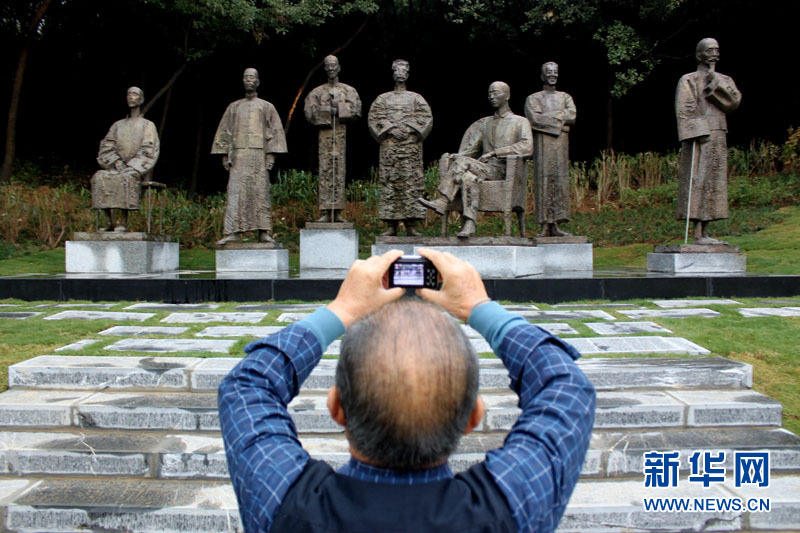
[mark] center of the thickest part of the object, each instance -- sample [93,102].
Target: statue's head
[499,94]
[707,51]
[331,66]
[135,97]
[550,73]
[400,68]
[250,79]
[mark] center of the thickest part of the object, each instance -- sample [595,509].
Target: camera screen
[408,274]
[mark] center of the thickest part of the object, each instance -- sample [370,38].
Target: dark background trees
[619,59]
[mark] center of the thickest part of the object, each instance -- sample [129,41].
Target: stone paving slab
[28,408]
[142,331]
[590,306]
[669,313]
[79,345]
[171,373]
[277,307]
[673,304]
[622,451]
[97,372]
[100,315]
[769,311]
[18,315]
[149,411]
[515,308]
[730,408]
[238,331]
[292,317]
[654,344]
[203,318]
[566,315]
[155,306]
[125,505]
[9,305]
[171,345]
[626,328]
[556,328]
[61,306]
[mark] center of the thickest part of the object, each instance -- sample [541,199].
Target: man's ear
[335,406]
[476,415]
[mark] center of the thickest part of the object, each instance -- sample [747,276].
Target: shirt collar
[376,474]
[498,114]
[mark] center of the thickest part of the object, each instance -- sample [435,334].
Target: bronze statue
[490,140]
[249,135]
[551,113]
[128,153]
[701,102]
[400,120]
[331,106]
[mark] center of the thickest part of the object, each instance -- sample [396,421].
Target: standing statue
[128,153]
[331,106]
[551,113]
[249,135]
[400,120]
[701,101]
[490,140]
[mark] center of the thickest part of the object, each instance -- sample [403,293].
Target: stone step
[195,456]
[204,375]
[51,505]
[196,411]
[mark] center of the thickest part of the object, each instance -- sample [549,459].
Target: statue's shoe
[324,218]
[708,240]
[263,236]
[120,228]
[468,230]
[228,238]
[438,205]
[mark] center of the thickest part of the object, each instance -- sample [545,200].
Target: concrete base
[382,248]
[122,256]
[253,260]
[328,248]
[566,257]
[695,263]
[498,261]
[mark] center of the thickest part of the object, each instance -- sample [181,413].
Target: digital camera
[413,271]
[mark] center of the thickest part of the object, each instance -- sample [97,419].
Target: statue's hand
[226,162]
[399,133]
[269,161]
[488,155]
[703,139]
[119,165]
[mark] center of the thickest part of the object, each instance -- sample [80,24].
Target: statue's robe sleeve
[472,141]
[420,120]
[274,136]
[147,155]
[223,139]
[108,154]
[378,119]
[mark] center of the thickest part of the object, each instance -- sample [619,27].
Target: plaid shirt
[536,469]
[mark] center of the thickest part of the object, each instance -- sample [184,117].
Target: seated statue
[481,157]
[128,153]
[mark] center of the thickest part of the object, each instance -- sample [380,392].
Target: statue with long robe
[127,155]
[551,114]
[400,120]
[702,99]
[248,137]
[330,107]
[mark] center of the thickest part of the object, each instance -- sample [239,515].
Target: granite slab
[204,318]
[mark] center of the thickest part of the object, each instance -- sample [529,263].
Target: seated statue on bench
[492,150]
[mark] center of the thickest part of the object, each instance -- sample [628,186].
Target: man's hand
[462,286]
[362,291]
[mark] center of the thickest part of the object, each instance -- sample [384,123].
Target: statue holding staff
[702,99]
[330,107]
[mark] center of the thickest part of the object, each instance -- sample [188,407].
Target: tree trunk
[610,123]
[167,86]
[197,151]
[16,91]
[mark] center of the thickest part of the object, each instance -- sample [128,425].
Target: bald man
[406,390]
[480,157]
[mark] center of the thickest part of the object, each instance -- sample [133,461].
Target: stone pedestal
[252,257]
[328,245]
[493,257]
[565,254]
[697,259]
[117,252]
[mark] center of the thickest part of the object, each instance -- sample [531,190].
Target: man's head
[550,73]
[331,66]
[400,68]
[499,94]
[707,51]
[135,97]
[406,386]
[250,79]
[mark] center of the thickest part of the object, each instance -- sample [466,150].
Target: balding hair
[703,45]
[408,380]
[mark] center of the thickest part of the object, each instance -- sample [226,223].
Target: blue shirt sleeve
[261,444]
[540,462]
